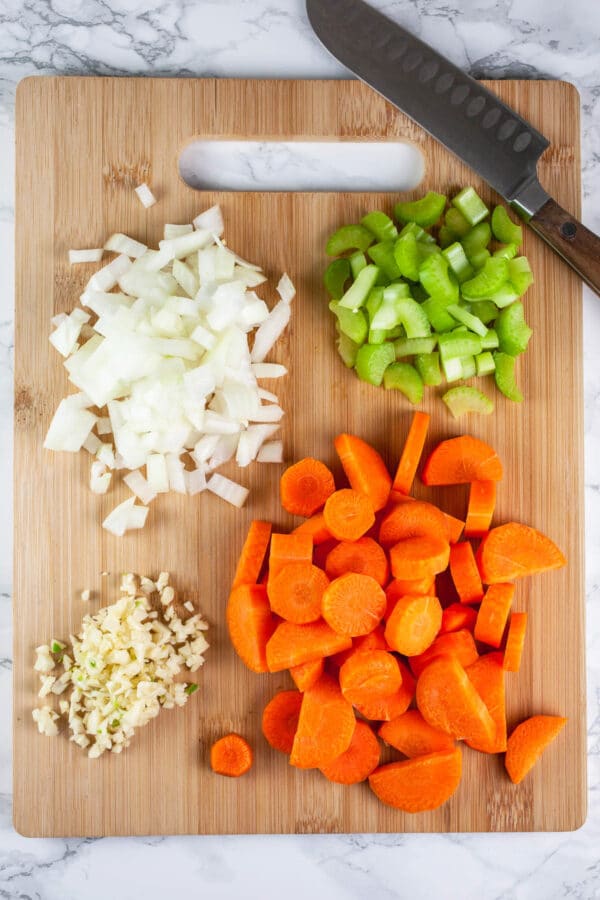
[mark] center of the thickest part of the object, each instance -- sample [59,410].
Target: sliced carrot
[515,641]
[454,527]
[253,554]
[348,514]
[353,604]
[401,588]
[280,720]
[493,614]
[461,460]
[358,761]
[513,551]
[459,644]
[414,624]
[305,486]
[482,501]
[486,674]
[375,640]
[291,645]
[250,624]
[419,784]
[458,616]
[307,674]
[325,727]
[295,593]
[364,468]
[416,519]
[231,755]
[419,557]
[448,701]
[315,526]
[411,453]
[465,573]
[367,674]
[413,736]
[527,743]
[382,709]
[288,548]
[364,556]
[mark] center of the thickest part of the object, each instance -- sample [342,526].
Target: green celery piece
[469,368]
[476,239]
[434,276]
[446,236]
[470,204]
[372,360]
[504,229]
[383,256]
[336,275]
[505,377]
[377,335]
[407,256]
[512,329]
[484,363]
[465,399]
[458,343]
[428,367]
[479,259]
[357,261]
[423,212]
[460,329]
[398,290]
[347,349]
[456,222]
[466,318]
[490,340]
[489,280]
[349,237]
[452,369]
[458,262]
[421,235]
[380,225]
[414,318]
[358,292]
[373,302]
[414,346]
[352,324]
[394,333]
[438,315]
[508,251]
[520,274]
[505,295]
[401,376]
[386,316]
[485,310]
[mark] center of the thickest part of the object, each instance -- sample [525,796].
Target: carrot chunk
[253,554]
[486,675]
[250,624]
[353,604]
[413,736]
[414,624]
[382,709]
[348,514]
[374,640]
[482,501]
[364,468]
[461,460]
[292,645]
[419,557]
[448,701]
[458,616]
[305,486]
[527,743]
[307,674]
[288,548]
[295,593]
[369,673]
[459,644]
[231,755]
[465,574]
[454,527]
[364,556]
[357,762]
[400,587]
[415,519]
[280,720]
[493,614]
[325,726]
[515,641]
[419,784]
[513,551]
[315,527]
[411,453]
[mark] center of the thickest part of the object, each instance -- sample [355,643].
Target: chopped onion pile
[167,363]
[120,670]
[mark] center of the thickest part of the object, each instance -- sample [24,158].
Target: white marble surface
[272,38]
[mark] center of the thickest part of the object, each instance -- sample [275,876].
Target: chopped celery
[382,255]
[348,237]
[503,227]
[519,272]
[373,302]
[380,225]
[387,316]
[423,212]
[347,349]
[456,222]
[505,295]
[512,329]
[358,292]
[336,275]
[398,290]
[446,236]
[352,324]
[434,276]
[479,259]
[428,367]
[452,368]
[458,262]
[412,346]
[464,399]
[486,310]
[421,235]
[357,261]
[406,254]
[414,318]
[505,377]
[438,315]
[489,280]
[508,251]
[403,377]
[426,250]
[484,363]
[372,360]
[468,319]
[395,333]
[476,239]
[458,343]
[377,335]
[470,205]
[469,368]
[490,340]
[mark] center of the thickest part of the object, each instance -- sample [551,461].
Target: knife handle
[577,245]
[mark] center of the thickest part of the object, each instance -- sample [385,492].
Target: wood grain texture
[82,143]
[575,243]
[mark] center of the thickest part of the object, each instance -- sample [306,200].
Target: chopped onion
[268,370]
[67,332]
[267,395]
[136,482]
[177,248]
[85,256]
[103,425]
[286,289]
[99,478]
[173,231]
[185,277]
[271,413]
[227,490]
[123,517]
[195,481]
[91,444]
[69,428]
[176,473]
[122,243]
[250,442]
[211,220]
[270,331]
[107,277]
[157,474]
[145,194]
[271,452]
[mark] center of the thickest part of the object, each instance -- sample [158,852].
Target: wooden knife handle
[577,245]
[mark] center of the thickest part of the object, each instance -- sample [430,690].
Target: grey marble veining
[491,38]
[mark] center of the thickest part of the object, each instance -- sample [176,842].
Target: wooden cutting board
[82,144]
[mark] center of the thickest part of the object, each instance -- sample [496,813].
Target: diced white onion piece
[239,261]
[116,521]
[227,490]
[99,478]
[211,220]
[271,452]
[136,482]
[271,413]
[136,517]
[286,289]
[176,473]
[104,303]
[250,442]
[214,423]
[85,256]
[254,312]
[224,450]
[173,231]
[270,331]
[250,277]
[64,338]
[224,264]
[269,370]
[69,427]
[204,337]
[177,248]
[267,395]
[195,481]
[145,195]
[204,448]
[106,455]
[185,277]
[122,243]
[103,425]
[91,443]
[156,473]
[107,277]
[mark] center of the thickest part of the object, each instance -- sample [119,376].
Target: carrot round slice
[325,726]
[250,624]
[364,468]
[280,720]
[420,784]
[414,624]
[415,519]
[487,676]
[307,674]
[527,743]
[364,556]
[382,709]
[400,587]
[357,762]
[374,640]
[288,548]
[455,643]
[253,554]
[353,604]
[296,592]
[482,500]
[231,755]
[419,557]
[413,736]
[369,673]
[315,527]
[513,551]
[458,616]
[461,460]
[448,701]
[348,514]
[305,486]
[291,644]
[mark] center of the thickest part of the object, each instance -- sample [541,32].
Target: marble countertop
[272,38]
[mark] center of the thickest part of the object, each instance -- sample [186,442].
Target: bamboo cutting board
[82,144]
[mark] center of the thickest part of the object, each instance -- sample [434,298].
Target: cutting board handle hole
[233,165]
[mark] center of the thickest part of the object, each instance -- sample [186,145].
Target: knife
[461,113]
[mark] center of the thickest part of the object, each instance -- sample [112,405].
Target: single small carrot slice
[231,755]
[448,701]
[374,640]
[454,527]
[348,514]
[353,604]
[382,709]
[315,527]
[415,519]
[465,573]
[493,614]
[458,616]
[419,557]
[414,624]
[411,453]
[369,673]
[364,468]
[482,501]
[325,727]
[486,674]
[253,554]
[402,587]
[358,761]
[419,784]
[307,674]
[292,645]
[280,720]
[364,556]
[305,486]
[250,624]
[461,460]
[288,548]
[296,592]
[527,743]
[413,736]
[515,641]
[513,551]
[459,644]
